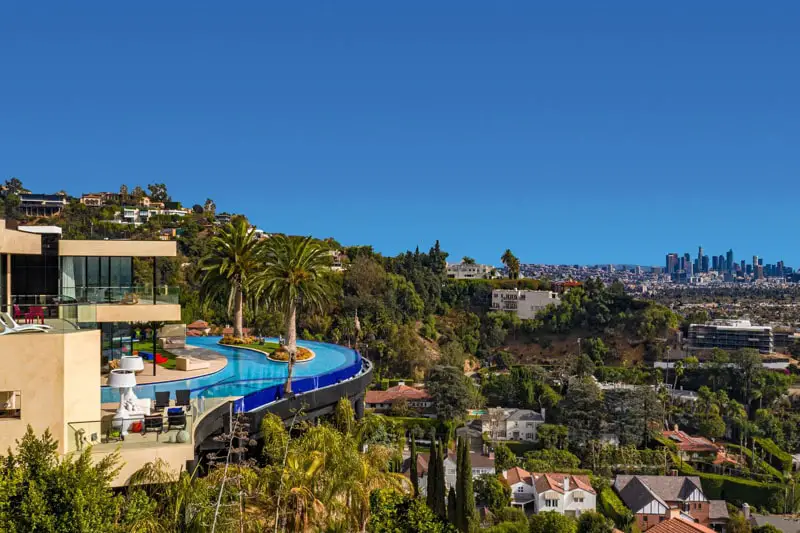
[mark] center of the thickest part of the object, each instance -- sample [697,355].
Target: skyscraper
[672,263]
[715,263]
[755,262]
[700,258]
[743,266]
[729,261]
[723,267]
[704,267]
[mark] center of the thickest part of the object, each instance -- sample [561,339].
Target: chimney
[566,483]
[673,512]
[746,511]
[543,414]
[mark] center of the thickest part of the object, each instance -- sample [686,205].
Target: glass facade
[96,279]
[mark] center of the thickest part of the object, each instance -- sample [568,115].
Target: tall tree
[295,274]
[158,192]
[229,268]
[452,506]
[450,392]
[467,260]
[441,485]
[465,492]
[512,264]
[123,194]
[414,473]
[430,490]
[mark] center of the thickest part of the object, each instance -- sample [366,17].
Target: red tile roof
[518,475]
[679,525]
[687,443]
[198,324]
[556,482]
[395,393]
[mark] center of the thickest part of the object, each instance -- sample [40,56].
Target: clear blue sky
[571,132]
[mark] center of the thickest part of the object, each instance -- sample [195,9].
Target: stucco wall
[133,458]
[140,312]
[118,248]
[59,378]
[19,242]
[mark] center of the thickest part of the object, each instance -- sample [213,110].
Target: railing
[159,429]
[47,318]
[263,397]
[120,294]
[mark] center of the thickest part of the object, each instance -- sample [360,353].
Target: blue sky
[580,132]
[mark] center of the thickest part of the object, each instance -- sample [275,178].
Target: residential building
[481,464]
[502,423]
[92,200]
[42,205]
[691,447]
[525,303]
[650,498]
[730,335]
[566,494]
[469,271]
[677,522]
[382,401]
[79,301]
[134,216]
[222,218]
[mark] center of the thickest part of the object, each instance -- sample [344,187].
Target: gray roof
[513,414]
[638,491]
[717,510]
[786,525]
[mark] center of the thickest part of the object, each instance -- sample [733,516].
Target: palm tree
[294,273]
[230,267]
[512,264]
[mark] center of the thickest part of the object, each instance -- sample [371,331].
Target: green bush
[736,490]
[757,462]
[778,458]
[519,448]
[611,506]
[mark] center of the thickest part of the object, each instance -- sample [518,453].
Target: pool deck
[216,360]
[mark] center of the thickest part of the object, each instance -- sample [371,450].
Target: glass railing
[120,294]
[46,318]
[157,429]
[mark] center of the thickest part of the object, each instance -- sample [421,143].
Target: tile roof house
[677,523]
[651,498]
[563,493]
[481,464]
[690,445]
[502,423]
[383,400]
[201,327]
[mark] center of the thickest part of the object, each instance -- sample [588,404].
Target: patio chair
[9,322]
[176,418]
[161,401]
[153,423]
[182,398]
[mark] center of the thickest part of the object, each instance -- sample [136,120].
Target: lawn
[147,346]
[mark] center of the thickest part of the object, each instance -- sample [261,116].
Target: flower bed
[281,355]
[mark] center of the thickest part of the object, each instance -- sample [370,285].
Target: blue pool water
[246,372]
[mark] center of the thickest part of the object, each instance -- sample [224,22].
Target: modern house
[382,401]
[481,464]
[469,271]
[42,205]
[566,494]
[524,303]
[730,335]
[501,423]
[651,498]
[67,305]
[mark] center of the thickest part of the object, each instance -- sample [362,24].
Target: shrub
[611,506]
[282,354]
[236,341]
[778,458]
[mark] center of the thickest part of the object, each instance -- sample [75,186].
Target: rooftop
[395,393]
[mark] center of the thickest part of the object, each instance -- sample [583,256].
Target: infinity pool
[246,371]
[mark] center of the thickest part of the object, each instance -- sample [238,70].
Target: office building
[704,266]
[715,263]
[700,258]
[524,303]
[729,261]
[730,335]
[672,263]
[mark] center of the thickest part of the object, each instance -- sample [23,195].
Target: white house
[469,271]
[524,303]
[481,464]
[565,494]
[502,423]
[521,483]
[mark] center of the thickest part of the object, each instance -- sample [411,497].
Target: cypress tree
[459,484]
[414,474]
[430,495]
[451,506]
[466,493]
[441,489]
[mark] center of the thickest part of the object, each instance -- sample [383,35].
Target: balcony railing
[156,430]
[120,294]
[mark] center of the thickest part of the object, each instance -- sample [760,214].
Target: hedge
[784,460]
[611,506]
[771,470]
[519,448]
[736,490]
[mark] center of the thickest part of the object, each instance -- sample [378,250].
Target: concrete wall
[118,248]
[59,378]
[19,242]
[134,458]
[141,312]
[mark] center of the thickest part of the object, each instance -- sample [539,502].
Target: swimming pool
[247,371]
